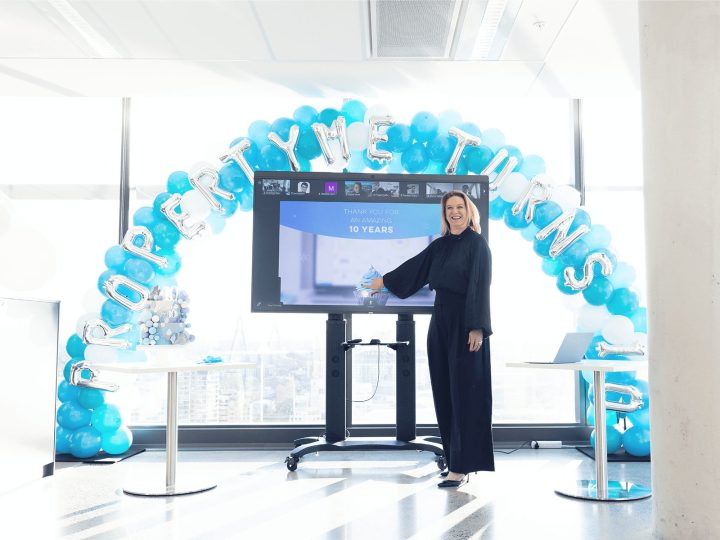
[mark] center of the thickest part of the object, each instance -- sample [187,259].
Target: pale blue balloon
[72,415]
[395,166]
[636,441]
[597,237]
[529,232]
[85,442]
[63,437]
[118,441]
[448,119]
[106,418]
[623,276]
[640,418]
[90,398]
[493,138]
[611,417]
[67,391]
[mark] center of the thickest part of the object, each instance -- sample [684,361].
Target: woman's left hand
[475,339]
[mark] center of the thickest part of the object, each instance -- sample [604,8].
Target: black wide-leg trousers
[462,391]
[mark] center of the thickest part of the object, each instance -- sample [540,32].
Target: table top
[589,365]
[166,367]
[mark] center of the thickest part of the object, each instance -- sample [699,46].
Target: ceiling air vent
[407,29]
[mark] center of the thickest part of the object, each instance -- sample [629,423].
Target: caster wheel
[441,463]
[291,463]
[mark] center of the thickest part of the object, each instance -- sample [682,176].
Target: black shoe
[455,483]
[444,474]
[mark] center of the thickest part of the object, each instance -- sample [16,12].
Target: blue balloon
[159,200]
[245,198]
[107,274]
[372,164]
[72,415]
[613,438]
[63,437]
[497,208]
[106,418]
[434,167]
[251,153]
[75,346]
[399,139]
[282,126]
[517,221]
[636,441]
[598,291]
[545,213]
[597,237]
[165,234]
[551,267]
[640,417]
[588,376]
[85,374]
[230,206]
[440,148]
[623,302]
[575,254]
[560,282]
[90,398]
[178,182]
[529,232]
[532,166]
[493,139]
[115,314]
[258,131]
[610,254]
[118,441]
[639,320]
[232,178]
[328,116]
[115,257]
[353,111]
[593,354]
[305,115]
[85,442]
[542,247]
[424,126]
[611,417]
[471,129]
[477,158]
[145,217]
[174,262]
[307,144]
[274,159]
[620,377]
[67,392]
[581,218]
[513,151]
[415,158]
[139,270]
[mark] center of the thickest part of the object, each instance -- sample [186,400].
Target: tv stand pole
[335,439]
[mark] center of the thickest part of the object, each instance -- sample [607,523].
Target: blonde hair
[472,210]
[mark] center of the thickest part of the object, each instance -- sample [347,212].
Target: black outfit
[458,268]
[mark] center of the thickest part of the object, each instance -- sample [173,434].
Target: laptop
[572,349]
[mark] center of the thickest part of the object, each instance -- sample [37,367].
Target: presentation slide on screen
[329,249]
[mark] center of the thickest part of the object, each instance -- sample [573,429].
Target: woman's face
[456,213]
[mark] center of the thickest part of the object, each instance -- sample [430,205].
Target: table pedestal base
[616,491]
[157,489]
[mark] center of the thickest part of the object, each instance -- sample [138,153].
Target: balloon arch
[354,138]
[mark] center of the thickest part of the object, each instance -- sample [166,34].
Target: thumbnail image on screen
[357,189]
[275,187]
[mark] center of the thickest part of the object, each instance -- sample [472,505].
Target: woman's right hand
[376,284]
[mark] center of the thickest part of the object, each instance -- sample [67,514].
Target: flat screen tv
[318,236]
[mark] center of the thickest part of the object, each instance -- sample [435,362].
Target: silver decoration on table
[562,241]
[603,349]
[337,130]
[502,175]
[144,251]
[111,289]
[636,398]
[375,137]
[76,378]
[235,154]
[463,139]
[168,210]
[288,146]
[606,268]
[531,199]
[107,339]
[210,189]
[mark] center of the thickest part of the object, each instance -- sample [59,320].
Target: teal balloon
[639,320]
[515,221]
[441,147]
[636,441]
[85,374]
[611,417]
[115,314]
[72,415]
[581,218]
[145,217]
[230,206]
[597,237]
[399,139]
[493,139]
[274,159]
[471,129]
[620,377]
[231,176]
[372,164]
[623,302]
[424,126]
[328,116]
[610,254]
[63,436]
[587,375]
[107,274]
[415,158]
[85,442]
[353,111]
[551,267]
[118,441]
[542,247]
[497,208]
[165,234]
[90,398]
[251,153]
[307,144]
[282,126]
[598,291]
[575,254]
[613,438]
[139,270]
[174,262]
[592,353]
[532,166]
[115,257]
[545,213]
[529,232]
[75,346]
[258,131]
[640,418]
[66,391]
[560,282]
[477,158]
[305,115]
[513,151]
[434,167]
[178,182]
[159,200]
[106,418]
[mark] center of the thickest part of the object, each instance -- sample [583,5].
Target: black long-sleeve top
[457,264]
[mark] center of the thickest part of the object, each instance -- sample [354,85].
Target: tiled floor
[361,495]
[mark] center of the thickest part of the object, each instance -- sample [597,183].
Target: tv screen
[317,237]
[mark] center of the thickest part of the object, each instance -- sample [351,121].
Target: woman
[458,267]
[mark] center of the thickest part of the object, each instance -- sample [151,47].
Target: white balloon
[513,187]
[448,119]
[592,318]
[128,355]
[80,325]
[357,134]
[376,110]
[618,330]
[101,354]
[566,196]
[196,205]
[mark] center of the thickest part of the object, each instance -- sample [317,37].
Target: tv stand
[335,438]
